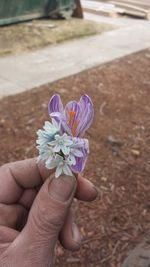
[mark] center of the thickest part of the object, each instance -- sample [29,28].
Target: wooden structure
[135,8]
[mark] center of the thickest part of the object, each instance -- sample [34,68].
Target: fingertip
[86,190]
[70,237]
[76,236]
[70,243]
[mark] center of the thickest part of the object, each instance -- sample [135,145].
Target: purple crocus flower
[75,118]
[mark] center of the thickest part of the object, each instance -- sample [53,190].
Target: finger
[86,191]
[46,218]
[70,236]
[13,216]
[20,175]
[27,198]
[26,174]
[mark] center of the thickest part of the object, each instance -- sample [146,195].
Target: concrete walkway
[23,72]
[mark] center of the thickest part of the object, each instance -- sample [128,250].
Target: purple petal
[55,104]
[81,143]
[80,162]
[86,116]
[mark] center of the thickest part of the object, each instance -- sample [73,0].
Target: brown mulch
[119,163]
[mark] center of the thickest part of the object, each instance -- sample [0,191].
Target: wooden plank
[144,4]
[116,7]
[101,12]
[129,6]
[137,14]
[101,8]
[133,10]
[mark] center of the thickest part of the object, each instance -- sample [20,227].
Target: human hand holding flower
[34,206]
[35,212]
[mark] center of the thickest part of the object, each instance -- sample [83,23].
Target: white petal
[68,142]
[71,160]
[65,150]
[57,137]
[39,132]
[59,158]
[57,148]
[56,125]
[58,171]
[47,125]
[50,158]
[51,164]
[65,135]
[67,170]
[53,143]
[50,128]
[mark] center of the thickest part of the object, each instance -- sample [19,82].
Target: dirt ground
[119,162]
[40,33]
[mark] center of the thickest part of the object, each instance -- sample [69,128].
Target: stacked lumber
[101,8]
[135,8]
[137,3]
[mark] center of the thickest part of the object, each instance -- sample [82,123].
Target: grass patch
[40,33]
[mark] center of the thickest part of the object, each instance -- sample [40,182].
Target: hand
[35,212]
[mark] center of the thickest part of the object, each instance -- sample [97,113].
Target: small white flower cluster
[57,150]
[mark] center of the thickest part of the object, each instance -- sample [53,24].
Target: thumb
[47,216]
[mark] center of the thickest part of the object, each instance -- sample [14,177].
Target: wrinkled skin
[35,212]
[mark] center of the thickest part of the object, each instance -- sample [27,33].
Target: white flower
[61,144]
[45,153]
[47,135]
[61,165]
[51,128]
[60,151]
